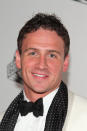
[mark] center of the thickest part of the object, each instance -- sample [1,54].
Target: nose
[42,62]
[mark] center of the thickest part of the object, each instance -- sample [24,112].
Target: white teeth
[39,75]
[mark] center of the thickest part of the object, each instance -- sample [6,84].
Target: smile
[40,75]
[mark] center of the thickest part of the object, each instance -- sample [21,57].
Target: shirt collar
[47,100]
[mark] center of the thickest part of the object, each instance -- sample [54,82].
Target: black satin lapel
[9,120]
[58,110]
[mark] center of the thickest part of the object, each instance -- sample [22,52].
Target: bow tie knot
[36,107]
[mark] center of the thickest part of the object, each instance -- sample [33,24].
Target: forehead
[43,33]
[42,38]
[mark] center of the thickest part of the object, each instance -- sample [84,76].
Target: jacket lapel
[10,118]
[70,104]
[58,110]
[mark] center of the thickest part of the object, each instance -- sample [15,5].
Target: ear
[66,63]
[18,60]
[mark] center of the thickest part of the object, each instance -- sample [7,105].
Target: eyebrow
[49,50]
[30,49]
[55,51]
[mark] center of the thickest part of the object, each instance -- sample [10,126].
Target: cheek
[26,62]
[26,68]
[56,67]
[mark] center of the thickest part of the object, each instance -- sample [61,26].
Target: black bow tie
[36,107]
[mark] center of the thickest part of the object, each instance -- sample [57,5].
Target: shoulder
[77,101]
[18,98]
[77,113]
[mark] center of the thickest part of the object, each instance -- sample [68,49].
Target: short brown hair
[50,22]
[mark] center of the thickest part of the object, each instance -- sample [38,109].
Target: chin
[39,91]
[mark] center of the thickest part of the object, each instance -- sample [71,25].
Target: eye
[52,55]
[32,53]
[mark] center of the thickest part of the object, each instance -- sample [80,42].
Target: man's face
[42,61]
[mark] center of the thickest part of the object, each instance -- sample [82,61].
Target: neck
[33,96]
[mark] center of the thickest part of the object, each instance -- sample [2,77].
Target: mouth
[40,76]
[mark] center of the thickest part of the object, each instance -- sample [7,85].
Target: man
[42,56]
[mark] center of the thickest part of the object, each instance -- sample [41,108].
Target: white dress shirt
[32,123]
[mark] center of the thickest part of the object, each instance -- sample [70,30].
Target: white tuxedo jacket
[76,119]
